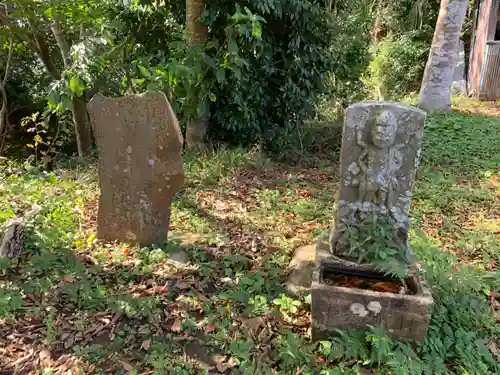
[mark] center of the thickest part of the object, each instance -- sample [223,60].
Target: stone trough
[403,316]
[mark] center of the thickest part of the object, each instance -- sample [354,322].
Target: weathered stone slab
[380,154]
[301,269]
[333,307]
[13,239]
[12,244]
[140,166]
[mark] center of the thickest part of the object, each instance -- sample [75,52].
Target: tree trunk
[82,128]
[3,119]
[197,34]
[41,48]
[438,75]
[5,104]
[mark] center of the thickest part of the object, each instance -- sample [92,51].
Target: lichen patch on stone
[359,310]
[375,307]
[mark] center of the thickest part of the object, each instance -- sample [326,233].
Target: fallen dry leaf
[158,290]
[185,284]
[146,344]
[493,347]
[253,325]
[222,364]
[209,328]
[127,366]
[177,326]
[68,279]
[272,248]
[44,355]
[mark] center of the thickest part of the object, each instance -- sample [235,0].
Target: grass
[74,303]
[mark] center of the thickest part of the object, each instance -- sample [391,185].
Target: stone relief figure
[379,162]
[380,154]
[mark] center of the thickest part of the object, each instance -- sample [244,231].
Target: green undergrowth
[117,308]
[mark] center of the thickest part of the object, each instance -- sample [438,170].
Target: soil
[365,282]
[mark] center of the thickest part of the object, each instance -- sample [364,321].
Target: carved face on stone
[384,130]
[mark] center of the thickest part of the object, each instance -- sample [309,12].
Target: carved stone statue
[369,236]
[380,154]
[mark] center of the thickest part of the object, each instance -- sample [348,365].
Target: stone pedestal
[402,316]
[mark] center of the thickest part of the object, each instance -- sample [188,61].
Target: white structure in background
[459,84]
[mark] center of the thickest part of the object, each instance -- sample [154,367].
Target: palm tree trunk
[197,34]
[438,76]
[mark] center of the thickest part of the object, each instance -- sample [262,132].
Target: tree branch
[61,41]
[43,51]
[7,65]
[35,41]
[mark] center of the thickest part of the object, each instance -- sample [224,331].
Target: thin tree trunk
[197,34]
[41,48]
[82,128]
[438,76]
[61,42]
[3,93]
[39,45]
[79,110]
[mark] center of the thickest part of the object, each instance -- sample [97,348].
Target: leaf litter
[158,308]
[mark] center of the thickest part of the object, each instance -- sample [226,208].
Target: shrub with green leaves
[397,67]
[282,75]
[259,75]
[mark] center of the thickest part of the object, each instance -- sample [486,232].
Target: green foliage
[46,141]
[287,304]
[401,34]
[190,74]
[350,55]
[397,67]
[401,16]
[257,80]
[374,241]
[445,144]
[282,74]
[10,299]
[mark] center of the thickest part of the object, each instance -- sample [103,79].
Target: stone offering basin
[403,316]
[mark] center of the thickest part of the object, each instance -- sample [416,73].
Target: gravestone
[379,158]
[380,155]
[140,166]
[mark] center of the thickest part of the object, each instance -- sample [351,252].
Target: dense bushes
[260,76]
[282,75]
[397,67]
[257,78]
[401,34]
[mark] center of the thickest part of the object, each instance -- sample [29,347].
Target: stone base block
[333,307]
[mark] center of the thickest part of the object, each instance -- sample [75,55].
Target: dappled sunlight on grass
[110,308]
[475,106]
